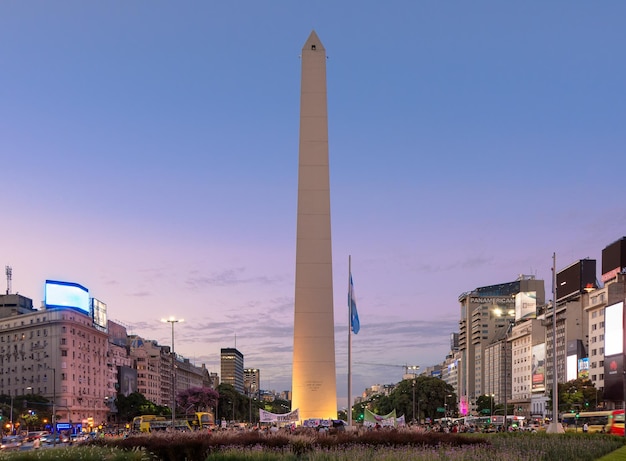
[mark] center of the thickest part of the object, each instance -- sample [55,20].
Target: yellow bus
[201,420]
[597,421]
[142,423]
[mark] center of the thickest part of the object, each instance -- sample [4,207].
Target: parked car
[11,442]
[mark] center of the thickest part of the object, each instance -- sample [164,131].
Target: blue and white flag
[355,325]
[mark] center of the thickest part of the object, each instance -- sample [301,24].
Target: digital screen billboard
[99,313]
[571,372]
[575,278]
[526,305]
[66,294]
[613,259]
[614,329]
[538,371]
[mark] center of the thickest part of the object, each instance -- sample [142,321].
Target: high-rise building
[252,380]
[232,368]
[314,387]
[487,316]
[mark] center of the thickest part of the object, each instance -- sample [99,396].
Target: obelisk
[314,382]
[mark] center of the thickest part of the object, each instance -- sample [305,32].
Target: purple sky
[149,152]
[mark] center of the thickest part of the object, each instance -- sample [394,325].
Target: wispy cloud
[229,277]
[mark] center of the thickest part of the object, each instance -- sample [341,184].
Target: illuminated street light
[173,320]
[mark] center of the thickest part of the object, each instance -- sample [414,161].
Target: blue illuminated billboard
[66,294]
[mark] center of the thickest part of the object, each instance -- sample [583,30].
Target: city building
[252,381]
[58,354]
[573,285]
[232,368]
[487,315]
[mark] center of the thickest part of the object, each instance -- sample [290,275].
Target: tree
[136,404]
[485,404]
[430,394]
[228,402]
[198,399]
[577,395]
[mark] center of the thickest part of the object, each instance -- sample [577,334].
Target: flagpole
[349,341]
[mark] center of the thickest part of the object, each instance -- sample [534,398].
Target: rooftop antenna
[9,272]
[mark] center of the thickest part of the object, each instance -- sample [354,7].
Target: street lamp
[500,313]
[413,385]
[54,400]
[173,320]
[412,369]
[445,405]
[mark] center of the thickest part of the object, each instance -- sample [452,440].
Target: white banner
[267,417]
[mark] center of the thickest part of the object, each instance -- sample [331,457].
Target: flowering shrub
[307,445]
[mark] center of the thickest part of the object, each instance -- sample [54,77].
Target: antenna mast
[9,272]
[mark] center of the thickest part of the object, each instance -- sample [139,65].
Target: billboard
[614,329]
[583,368]
[538,370]
[66,294]
[99,314]
[575,278]
[571,372]
[613,259]
[614,378]
[127,380]
[526,305]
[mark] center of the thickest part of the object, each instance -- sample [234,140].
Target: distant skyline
[149,153]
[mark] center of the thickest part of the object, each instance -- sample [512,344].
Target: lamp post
[445,405]
[11,417]
[506,371]
[54,400]
[499,313]
[413,385]
[173,320]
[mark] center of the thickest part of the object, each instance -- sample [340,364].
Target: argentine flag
[355,325]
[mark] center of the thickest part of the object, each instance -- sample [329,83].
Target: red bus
[616,423]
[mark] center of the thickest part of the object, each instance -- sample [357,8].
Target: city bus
[142,423]
[201,420]
[616,423]
[597,421]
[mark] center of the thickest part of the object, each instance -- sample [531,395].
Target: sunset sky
[149,152]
